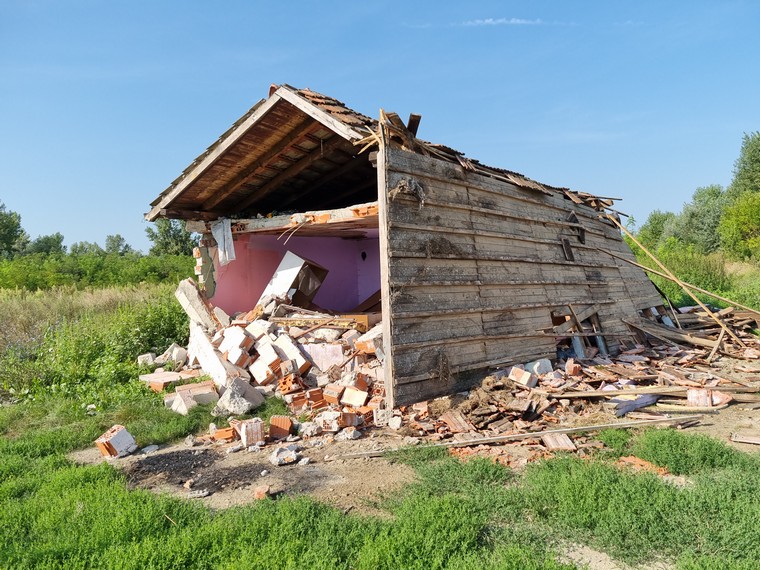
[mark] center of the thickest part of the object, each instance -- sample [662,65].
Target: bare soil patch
[350,484]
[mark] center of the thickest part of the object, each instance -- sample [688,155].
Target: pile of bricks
[331,371]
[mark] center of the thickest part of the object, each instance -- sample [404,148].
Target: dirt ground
[354,485]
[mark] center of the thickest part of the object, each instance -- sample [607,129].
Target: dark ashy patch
[229,478]
[175,467]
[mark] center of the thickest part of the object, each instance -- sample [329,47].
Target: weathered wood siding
[472,273]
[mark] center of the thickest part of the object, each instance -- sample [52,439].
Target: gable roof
[299,146]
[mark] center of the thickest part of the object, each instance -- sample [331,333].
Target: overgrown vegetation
[84,344]
[714,242]
[45,263]
[47,271]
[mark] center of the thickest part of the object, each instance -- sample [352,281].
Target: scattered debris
[116,442]
[285,455]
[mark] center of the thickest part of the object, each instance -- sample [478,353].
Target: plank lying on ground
[744,438]
[646,390]
[678,409]
[531,435]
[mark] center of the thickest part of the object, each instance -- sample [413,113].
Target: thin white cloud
[501,22]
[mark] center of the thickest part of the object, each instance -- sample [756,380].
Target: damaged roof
[299,150]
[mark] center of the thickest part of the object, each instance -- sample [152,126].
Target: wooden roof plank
[229,188]
[211,158]
[309,108]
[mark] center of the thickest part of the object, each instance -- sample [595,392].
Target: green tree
[118,245]
[739,227]
[170,237]
[747,167]
[84,248]
[50,245]
[10,231]
[697,224]
[651,232]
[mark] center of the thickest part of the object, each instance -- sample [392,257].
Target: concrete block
[285,455]
[261,373]
[239,398]
[211,360]
[324,355]
[371,341]
[524,377]
[194,305]
[158,381]
[147,359]
[236,337]
[354,397]
[348,434]
[116,442]
[292,351]
[540,367]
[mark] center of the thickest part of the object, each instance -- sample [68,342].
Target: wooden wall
[471,274]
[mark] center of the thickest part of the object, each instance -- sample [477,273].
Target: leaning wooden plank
[689,285]
[671,334]
[533,435]
[679,282]
[714,351]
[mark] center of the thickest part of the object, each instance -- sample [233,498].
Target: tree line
[714,241]
[45,261]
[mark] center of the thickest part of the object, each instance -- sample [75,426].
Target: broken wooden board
[558,442]
[456,421]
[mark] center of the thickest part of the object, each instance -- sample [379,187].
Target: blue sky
[102,104]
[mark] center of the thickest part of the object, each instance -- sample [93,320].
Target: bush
[42,271]
[93,354]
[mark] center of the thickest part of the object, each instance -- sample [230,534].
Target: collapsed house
[467,267]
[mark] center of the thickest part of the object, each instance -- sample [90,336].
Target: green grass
[55,514]
[477,514]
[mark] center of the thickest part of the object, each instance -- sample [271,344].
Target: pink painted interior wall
[351,279]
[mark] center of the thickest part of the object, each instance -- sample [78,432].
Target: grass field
[55,514]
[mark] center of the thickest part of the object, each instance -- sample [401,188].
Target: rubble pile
[643,383]
[327,368]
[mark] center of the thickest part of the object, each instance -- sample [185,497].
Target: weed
[685,454]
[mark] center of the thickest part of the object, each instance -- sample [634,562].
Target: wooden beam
[346,167]
[689,285]
[190,215]
[262,108]
[323,117]
[301,130]
[293,170]
[413,124]
[678,281]
[674,335]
